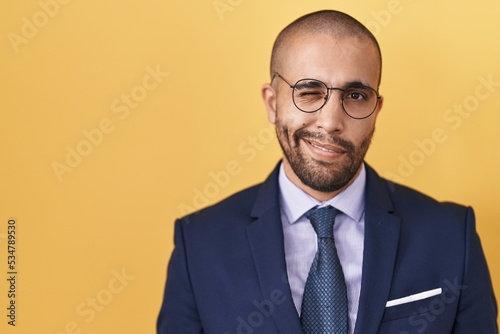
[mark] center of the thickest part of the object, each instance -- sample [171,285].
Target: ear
[380,103]
[269,97]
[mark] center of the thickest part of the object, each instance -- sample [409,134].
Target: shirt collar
[295,202]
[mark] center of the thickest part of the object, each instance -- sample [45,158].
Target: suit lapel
[382,229]
[265,236]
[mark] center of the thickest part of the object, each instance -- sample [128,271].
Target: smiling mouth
[325,147]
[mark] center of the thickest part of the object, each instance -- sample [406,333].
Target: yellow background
[113,213]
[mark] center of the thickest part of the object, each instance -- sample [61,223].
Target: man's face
[324,150]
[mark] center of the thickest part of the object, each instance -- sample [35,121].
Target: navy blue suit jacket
[227,273]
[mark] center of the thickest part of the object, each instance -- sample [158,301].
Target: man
[395,261]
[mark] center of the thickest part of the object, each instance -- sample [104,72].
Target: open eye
[356,94]
[359,101]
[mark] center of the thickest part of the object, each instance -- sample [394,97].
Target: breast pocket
[433,305]
[429,315]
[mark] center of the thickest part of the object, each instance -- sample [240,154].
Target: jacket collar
[382,227]
[265,235]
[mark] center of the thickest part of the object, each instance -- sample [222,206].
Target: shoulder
[427,209]
[229,210]
[221,228]
[240,208]
[411,203]
[218,229]
[411,199]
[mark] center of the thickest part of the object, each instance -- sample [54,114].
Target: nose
[331,116]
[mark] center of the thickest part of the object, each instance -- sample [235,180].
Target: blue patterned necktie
[324,305]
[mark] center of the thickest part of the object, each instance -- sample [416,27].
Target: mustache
[334,140]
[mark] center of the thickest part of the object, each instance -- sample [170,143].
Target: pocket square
[414,297]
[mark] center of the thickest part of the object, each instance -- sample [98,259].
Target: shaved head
[333,23]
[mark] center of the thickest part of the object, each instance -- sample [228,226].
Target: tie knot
[322,220]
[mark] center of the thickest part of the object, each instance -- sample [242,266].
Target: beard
[316,174]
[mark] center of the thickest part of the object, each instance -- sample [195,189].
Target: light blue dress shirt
[301,241]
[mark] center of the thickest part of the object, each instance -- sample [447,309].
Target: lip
[327,151]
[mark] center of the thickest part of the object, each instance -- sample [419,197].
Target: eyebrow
[310,83]
[357,84]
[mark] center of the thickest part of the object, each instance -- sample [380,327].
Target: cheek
[362,131]
[293,118]
[355,130]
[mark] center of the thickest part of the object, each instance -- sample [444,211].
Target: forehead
[334,60]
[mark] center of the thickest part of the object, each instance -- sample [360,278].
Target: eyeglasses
[310,95]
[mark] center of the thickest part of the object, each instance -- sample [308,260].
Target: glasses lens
[309,95]
[359,102]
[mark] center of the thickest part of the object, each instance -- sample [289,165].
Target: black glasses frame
[327,97]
